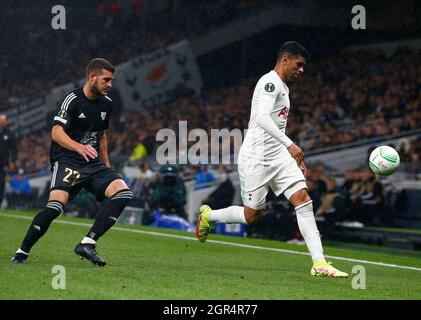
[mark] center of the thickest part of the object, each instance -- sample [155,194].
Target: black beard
[96,92]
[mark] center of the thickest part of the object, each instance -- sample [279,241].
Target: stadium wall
[389,48]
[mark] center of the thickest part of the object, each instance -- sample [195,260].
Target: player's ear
[92,76]
[284,59]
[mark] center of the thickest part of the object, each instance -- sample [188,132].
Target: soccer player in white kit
[268,158]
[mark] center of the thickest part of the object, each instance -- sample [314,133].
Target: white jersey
[271,96]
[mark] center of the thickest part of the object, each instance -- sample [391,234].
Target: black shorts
[94,177]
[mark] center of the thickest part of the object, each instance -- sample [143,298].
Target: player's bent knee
[252,216]
[60,196]
[114,187]
[253,219]
[300,197]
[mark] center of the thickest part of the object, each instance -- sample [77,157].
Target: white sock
[233,214]
[21,251]
[308,228]
[88,240]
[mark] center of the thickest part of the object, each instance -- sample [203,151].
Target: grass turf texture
[148,266]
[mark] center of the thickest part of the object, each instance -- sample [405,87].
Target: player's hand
[303,168]
[87,151]
[296,153]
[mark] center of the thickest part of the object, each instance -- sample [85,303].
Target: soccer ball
[384,160]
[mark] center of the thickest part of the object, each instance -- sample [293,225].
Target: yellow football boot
[325,269]
[203,226]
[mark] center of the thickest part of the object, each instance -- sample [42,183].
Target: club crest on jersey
[270,87]
[103,115]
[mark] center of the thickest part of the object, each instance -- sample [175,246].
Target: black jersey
[84,121]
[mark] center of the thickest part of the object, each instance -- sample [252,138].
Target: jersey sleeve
[64,114]
[266,102]
[268,92]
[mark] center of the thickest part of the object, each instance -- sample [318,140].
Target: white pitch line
[218,242]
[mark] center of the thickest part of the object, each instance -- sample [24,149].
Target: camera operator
[169,196]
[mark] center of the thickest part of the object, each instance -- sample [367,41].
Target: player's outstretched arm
[61,137]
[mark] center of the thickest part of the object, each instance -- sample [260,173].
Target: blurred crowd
[118,30]
[342,98]
[34,153]
[335,103]
[356,95]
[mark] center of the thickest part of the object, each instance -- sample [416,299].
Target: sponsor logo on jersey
[284,112]
[103,115]
[82,116]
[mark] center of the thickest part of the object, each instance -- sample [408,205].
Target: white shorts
[256,176]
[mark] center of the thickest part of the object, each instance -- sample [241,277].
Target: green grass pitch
[161,264]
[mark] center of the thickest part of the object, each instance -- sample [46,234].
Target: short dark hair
[293,48]
[98,64]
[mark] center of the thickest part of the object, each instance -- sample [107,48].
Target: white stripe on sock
[88,240]
[21,251]
[123,197]
[303,205]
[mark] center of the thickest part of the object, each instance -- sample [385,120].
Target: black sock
[109,213]
[40,224]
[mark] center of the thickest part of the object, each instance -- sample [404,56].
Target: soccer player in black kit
[79,159]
